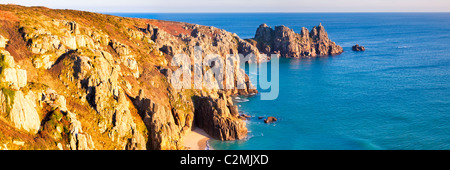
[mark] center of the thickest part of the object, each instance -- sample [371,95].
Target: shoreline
[196,139]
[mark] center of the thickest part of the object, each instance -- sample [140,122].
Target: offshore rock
[270,119]
[358,48]
[284,41]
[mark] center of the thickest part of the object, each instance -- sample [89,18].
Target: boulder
[8,60]
[41,41]
[21,77]
[100,37]
[15,78]
[131,63]
[70,42]
[270,119]
[120,48]
[3,42]
[60,101]
[46,63]
[9,75]
[23,114]
[80,41]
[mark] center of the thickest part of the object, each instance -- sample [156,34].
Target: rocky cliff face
[18,107]
[284,41]
[79,80]
[22,103]
[219,117]
[211,41]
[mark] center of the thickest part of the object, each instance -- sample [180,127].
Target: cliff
[79,80]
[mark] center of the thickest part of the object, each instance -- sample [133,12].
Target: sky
[161,6]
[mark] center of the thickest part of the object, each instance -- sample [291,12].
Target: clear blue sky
[243,5]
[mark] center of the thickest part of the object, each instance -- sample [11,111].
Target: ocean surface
[395,95]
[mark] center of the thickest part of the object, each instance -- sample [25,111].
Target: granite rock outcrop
[285,42]
[81,80]
[214,115]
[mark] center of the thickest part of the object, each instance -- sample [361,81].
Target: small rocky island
[358,48]
[284,41]
[270,119]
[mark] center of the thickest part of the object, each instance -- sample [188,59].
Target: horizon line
[229,12]
[264,12]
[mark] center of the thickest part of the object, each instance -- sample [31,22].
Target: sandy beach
[196,139]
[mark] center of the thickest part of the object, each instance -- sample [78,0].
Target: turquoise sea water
[395,95]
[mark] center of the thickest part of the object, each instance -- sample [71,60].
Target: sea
[393,96]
